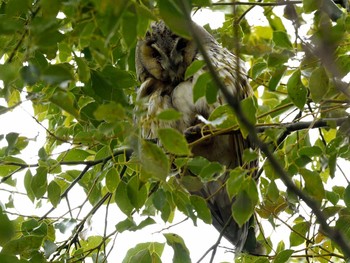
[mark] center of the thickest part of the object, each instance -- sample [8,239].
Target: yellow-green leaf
[201,207]
[153,160]
[181,252]
[173,141]
[54,193]
[112,179]
[313,184]
[318,84]
[296,90]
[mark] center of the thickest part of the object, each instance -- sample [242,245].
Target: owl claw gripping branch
[162,58]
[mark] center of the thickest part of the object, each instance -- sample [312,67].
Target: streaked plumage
[161,61]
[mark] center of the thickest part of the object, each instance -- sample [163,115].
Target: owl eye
[156,54]
[181,44]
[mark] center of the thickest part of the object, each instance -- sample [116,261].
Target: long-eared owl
[162,58]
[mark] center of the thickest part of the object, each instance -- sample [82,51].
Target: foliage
[74,61]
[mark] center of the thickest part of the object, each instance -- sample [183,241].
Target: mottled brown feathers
[161,61]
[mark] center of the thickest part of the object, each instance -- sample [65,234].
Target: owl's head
[163,55]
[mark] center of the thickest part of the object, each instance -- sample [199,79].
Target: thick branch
[334,234]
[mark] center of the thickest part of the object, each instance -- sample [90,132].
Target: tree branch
[334,234]
[89,164]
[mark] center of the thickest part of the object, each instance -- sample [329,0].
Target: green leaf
[142,256]
[74,155]
[112,180]
[32,226]
[318,84]
[310,151]
[124,225]
[129,28]
[122,199]
[109,84]
[173,141]
[249,155]
[54,193]
[30,74]
[137,192]
[276,77]
[17,7]
[11,139]
[201,207]
[159,199]
[153,160]
[277,60]
[343,225]
[22,245]
[211,170]
[194,68]
[242,208]
[83,69]
[169,115]
[39,182]
[281,39]
[235,181]
[57,74]
[181,252]
[310,5]
[66,225]
[343,63]
[211,92]
[197,163]
[223,117]
[65,100]
[201,3]
[272,191]
[152,247]
[110,112]
[257,69]
[249,108]
[347,196]
[50,8]
[49,248]
[313,184]
[298,235]
[332,197]
[246,200]
[200,87]
[283,256]
[11,259]
[148,221]
[7,228]
[27,185]
[296,90]
[264,32]
[174,17]
[6,170]
[143,16]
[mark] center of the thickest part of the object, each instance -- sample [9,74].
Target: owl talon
[195,132]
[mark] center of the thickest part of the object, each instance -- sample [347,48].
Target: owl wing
[160,63]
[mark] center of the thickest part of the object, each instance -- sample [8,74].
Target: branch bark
[334,234]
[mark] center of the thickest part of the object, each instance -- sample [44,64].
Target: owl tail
[244,237]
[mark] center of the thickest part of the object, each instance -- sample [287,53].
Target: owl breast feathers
[162,58]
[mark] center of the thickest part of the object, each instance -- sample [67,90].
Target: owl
[162,58]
